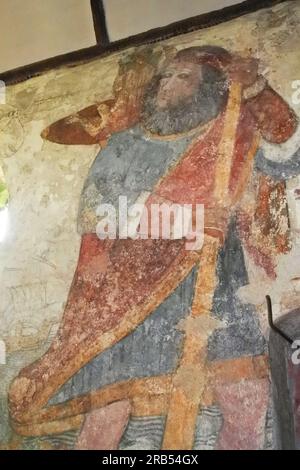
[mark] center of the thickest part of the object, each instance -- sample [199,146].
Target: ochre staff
[191,376]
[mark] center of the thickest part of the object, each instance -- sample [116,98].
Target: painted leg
[102,429]
[244,407]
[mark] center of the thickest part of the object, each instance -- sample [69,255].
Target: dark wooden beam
[185,26]
[99,19]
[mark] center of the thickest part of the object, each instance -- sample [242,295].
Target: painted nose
[168,85]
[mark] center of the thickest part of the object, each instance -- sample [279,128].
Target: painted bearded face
[184,96]
[178,83]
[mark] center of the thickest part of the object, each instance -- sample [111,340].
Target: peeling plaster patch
[201,326]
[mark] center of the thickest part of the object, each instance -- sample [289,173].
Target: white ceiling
[33,30]
[128,17]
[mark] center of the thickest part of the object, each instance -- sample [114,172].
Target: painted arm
[263,226]
[279,155]
[97,122]
[276,121]
[85,127]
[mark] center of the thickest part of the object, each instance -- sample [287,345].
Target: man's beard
[204,106]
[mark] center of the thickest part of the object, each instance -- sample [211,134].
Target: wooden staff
[191,377]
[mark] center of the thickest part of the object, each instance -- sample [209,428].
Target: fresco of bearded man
[154,335]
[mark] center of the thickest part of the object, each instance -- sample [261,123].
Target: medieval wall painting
[140,343]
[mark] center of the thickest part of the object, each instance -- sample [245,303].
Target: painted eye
[167,75]
[184,75]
